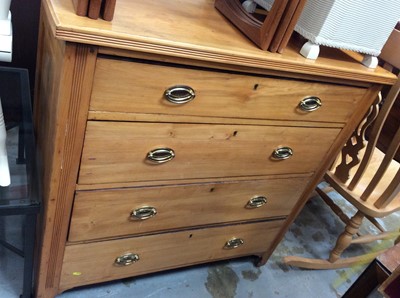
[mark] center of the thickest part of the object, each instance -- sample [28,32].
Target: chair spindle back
[375,121]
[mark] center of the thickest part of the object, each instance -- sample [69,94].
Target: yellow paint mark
[76,273]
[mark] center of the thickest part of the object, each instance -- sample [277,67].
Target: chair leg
[397,240]
[309,263]
[346,237]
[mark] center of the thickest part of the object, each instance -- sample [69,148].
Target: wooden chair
[365,176]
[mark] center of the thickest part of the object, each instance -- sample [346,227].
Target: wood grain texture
[390,287]
[373,136]
[290,29]
[116,151]
[391,49]
[50,59]
[344,135]
[283,25]
[161,252]
[321,264]
[391,258]
[349,157]
[218,149]
[376,192]
[345,238]
[108,9]
[101,214]
[389,128]
[390,55]
[94,9]
[81,7]
[235,67]
[211,38]
[218,94]
[60,117]
[108,186]
[145,117]
[371,183]
[261,33]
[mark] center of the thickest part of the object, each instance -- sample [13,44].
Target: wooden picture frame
[286,26]
[261,33]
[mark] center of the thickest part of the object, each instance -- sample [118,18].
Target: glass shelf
[22,196]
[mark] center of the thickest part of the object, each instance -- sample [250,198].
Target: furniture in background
[25,16]
[260,32]
[168,139]
[5,31]
[390,127]
[393,121]
[377,273]
[22,196]
[365,176]
[5,55]
[270,28]
[357,25]
[286,26]
[390,287]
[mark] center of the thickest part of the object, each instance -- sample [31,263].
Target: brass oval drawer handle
[143,213]
[161,155]
[126,259]
[282,153]
[310,103]
[256,202]
[233,243]
[179,94]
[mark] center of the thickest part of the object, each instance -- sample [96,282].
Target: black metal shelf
[22,196]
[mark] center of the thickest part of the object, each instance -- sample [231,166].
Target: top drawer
[133,87]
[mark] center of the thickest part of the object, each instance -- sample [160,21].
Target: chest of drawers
[164,147]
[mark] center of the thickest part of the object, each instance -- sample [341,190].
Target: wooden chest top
[194,29]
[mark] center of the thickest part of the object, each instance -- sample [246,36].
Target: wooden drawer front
[122,86]
[94,262]
[99,214]
[116,151]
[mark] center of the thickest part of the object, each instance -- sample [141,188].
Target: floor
[312,234]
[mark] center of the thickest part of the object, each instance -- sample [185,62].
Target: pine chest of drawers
[161,140]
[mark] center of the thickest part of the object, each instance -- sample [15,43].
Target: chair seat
[367,207]
[366,177]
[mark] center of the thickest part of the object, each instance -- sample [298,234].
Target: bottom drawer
[96,262]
